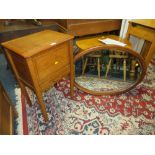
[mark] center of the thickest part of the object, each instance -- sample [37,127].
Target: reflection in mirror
[107,70]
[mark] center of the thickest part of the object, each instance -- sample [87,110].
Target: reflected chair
[92,60]
[87,43]
[118,56]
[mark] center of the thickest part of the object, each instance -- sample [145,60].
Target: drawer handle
[56,62]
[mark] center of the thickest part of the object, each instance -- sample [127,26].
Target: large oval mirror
[108,70]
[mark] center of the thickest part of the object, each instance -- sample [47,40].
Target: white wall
[124,27]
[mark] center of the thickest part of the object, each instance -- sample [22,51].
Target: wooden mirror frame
[111,47]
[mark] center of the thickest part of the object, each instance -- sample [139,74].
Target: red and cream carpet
[131,113]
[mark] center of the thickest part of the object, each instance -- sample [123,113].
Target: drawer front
[51,61]
[55,78]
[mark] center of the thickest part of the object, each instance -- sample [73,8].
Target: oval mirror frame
[111,47]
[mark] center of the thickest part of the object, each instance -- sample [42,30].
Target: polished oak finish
[91,41]
[7,113]
[145,22]
[144,29]
[40,60]
[81,27]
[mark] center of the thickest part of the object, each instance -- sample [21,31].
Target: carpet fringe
[18,107]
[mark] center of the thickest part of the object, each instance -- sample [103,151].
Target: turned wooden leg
[98,67]
[84,67]
[117,61]
[132,71]
[124,69]
[108,67]
[82,62]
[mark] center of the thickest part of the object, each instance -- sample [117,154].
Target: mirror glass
[107,71]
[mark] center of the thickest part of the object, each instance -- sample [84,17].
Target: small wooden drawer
[50,61]
[61,73]
[55,78]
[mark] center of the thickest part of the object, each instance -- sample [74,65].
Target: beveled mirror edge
[111,47]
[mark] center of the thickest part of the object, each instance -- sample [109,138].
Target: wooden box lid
[32,44]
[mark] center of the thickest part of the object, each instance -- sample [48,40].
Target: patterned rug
[127,114]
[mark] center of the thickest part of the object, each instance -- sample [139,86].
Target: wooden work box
[7,113]
[40,60]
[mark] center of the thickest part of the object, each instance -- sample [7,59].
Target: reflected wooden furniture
[144,29]
[96,58]
[82,27]
[117,56]
[125,49]
[85,43]
[88,42]
[40,60]
[7,113]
